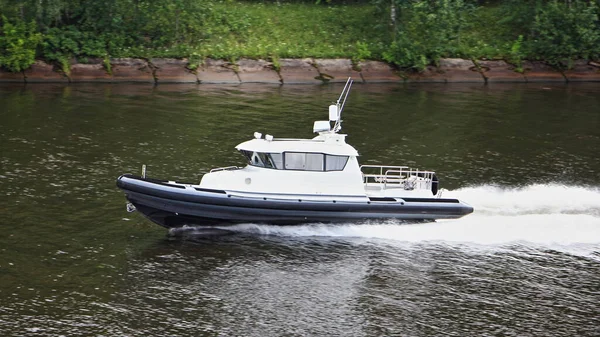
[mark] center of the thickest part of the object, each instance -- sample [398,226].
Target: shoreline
[300,71]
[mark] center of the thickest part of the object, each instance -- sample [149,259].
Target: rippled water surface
[73,262]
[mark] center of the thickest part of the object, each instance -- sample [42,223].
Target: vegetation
[556,31]
[408,33]
[18,44]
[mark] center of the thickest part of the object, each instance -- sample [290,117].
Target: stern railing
[396,177]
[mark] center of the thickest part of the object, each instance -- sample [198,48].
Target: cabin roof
[320,144]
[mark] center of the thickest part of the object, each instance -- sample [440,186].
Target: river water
[73,262]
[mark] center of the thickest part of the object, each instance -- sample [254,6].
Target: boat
[294,181]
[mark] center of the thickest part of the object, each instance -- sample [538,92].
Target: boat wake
[539,199]
[549,215]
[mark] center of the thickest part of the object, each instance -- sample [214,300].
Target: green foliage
[61,44]
[362,52]
[554,31]
[484,36]
[167,23]
[194,61]
[18,43]
[426,31]
[65,65]
[106,64]
[408,33]
[276,63]
[515,17]
[45,13]
[240,29]
[516,54]
[563,31]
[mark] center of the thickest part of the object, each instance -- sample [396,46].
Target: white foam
[550,215]
[532,199]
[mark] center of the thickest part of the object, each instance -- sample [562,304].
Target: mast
[339,105]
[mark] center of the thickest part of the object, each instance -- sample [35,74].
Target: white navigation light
[321,126]
[257,135]
[333,112]
[269,138]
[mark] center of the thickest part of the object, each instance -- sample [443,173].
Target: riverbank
[299,71]
[91,37]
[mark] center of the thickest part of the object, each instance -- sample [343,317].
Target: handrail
[227,168]
[383,166]
[397,177]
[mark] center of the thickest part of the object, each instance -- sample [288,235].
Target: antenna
[340,106]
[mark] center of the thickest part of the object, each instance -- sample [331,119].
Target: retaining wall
[299,71]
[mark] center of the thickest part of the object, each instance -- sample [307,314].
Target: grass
[271,31]
[486,36]
[299,30]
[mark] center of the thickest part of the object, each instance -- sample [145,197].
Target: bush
[59,45]
[562,32]
[426,31]
[18,43]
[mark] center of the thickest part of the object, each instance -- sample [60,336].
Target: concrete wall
[299,71]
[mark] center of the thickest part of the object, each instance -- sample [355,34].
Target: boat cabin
[323,153]
[322,165]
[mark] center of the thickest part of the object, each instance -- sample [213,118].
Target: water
[526,263]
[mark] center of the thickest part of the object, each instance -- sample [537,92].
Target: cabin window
[294,161]
[265,159]
[277,159]
[257,160]
[304,161]
[335,163]
[268,160]
[248,155]
[314,161]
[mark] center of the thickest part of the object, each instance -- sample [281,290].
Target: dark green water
[526,263]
